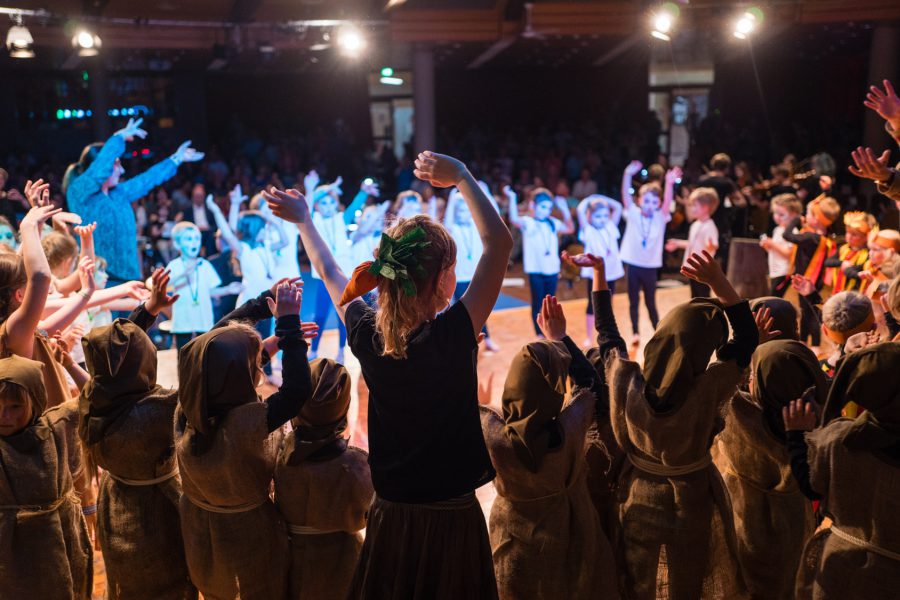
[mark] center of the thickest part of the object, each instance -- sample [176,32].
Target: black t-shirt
[425,438]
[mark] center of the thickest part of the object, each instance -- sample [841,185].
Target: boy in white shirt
[196,282]
[703,235]
[785,208]
[598,230]
[642,244]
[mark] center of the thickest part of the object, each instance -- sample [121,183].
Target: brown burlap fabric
[45,551]
[55,382]
[855,465]
[784,316]
[674,535]
[332,497]
[242,552]
[546,536]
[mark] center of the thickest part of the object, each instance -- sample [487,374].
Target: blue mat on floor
[311,288]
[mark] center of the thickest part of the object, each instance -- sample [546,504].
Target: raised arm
[615,210]
[277,227]
[366,188]
[222,223]
[514,218]
[673,175]
[89,183]
[75,304]
[296,388]
[443,171]
[568,224]
[581,213]
[629,173]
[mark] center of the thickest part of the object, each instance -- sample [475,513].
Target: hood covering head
[680,350]
[532,399]
[323,418]
[782,371]
[28,374]
[121,360]
[869,378]
[217,371]
[783,314]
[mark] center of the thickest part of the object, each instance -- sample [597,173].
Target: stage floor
[510,329]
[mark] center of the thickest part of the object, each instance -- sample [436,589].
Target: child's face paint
[543,209]
[8,237]
[781,216]
[327,206]
[600,217]
[649,203]
[410,208]
[188,243]
[15,414]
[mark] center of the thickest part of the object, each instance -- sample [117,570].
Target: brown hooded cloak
[323,489]
[674,535]
[773,518]
[783,313]
[235,542]
[855,465]
[126,426]
[45,551]
[546,536]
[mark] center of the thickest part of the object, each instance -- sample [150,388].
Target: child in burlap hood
[773,519]
[126,427]
[45,551]
[226,442]
[323,489]
[674,533]
[546,537]
[855,465]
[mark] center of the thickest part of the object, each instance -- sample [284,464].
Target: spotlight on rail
[663,20]
[350,40]
[86,43]
[747,24]
[19,42]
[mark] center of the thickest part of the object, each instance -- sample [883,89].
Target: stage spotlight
[747,23]
[87,43]
[350,40]
[663,20]
[19,42]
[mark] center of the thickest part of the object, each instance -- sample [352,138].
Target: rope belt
[655,468]
[144,482]
[227,510]
[864,544]
[304,530]
[34,510]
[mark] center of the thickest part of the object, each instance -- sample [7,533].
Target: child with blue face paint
[195,283]
[8,234]
[540,243]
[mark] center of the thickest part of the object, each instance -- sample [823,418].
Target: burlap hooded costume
[126,426]
[546,536]
[323,489]
[784,316]
[855,465]
[45,551]
[674,535]
[773,519]
[235,542]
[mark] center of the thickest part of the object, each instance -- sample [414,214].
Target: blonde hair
[788,202]
[401,198]
[12,277]
[649,188]
[181,227]
[829,207]
[398,314]
[59,247]
[893,298]
[706,196]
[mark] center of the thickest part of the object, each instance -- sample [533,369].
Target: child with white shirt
[642,244]
[703,235]
[195,283]
[540,243]
[785,208]
[598,230]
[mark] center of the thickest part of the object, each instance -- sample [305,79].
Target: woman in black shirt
[426,536]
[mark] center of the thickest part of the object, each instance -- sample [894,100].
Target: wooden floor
[510,329]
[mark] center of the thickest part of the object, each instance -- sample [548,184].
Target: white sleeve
[211,274]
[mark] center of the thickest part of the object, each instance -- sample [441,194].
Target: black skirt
[425,551]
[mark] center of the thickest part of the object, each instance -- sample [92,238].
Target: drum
[748,268]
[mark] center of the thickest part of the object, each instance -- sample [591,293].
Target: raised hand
[37,193]
[288,300]
[66,218]
[370,187]
[335,186]
[236,196]
[552,319]
[886,103]
[858,341]
[86,269]
[584,260]
[60,345]
[211,205]
[868,166]
[159,297]
[135,289]
[703,268]
[764,323]
[296,281]
[804,285]
[187,154]
[799,415]
[633,167]
[311,182]
[673,175]
[309,330]
[38,215]
[132,130]
[509,193]
[440,170]
[289,205]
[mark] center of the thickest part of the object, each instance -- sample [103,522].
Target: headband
[886,242]
[859,221]
[820,216]
[396,259]
[841,337]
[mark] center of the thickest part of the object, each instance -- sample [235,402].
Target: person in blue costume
[94,190]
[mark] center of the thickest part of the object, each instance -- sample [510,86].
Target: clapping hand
[289,205]
[187,154]
[159,296]
[764,323]
[885,103]
[552,319]
[868,166]
[440,170]
[132,130]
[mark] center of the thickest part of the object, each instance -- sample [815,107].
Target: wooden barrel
[748,268]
